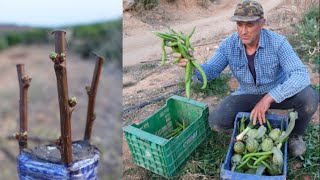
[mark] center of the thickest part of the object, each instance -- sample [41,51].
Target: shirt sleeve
[298,76]
[215,65]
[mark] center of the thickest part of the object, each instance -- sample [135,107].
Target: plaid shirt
[279,70]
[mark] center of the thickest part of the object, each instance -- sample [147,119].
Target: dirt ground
[43,117]
[143,77]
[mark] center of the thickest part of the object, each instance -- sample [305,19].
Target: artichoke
[275,134]
[236,159]
[252,145]
[252,133]
[238,147]
[267,144]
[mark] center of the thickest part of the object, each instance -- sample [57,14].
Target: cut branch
[59,59]
[24,83]
[92,91]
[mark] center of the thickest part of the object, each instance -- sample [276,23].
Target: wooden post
[24,83]
[92,91]
[66,105]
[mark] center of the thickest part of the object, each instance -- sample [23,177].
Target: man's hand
[182,62]
[259,111]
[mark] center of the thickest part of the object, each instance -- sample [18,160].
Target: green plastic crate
[162,156]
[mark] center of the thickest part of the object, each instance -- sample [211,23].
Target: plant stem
[92,91]
[24,83]
[256,154]
[65,108]
[243,163]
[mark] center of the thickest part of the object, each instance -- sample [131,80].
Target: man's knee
[309,99]
[218,123]
[219,129]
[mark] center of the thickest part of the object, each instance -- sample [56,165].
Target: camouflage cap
[248,10]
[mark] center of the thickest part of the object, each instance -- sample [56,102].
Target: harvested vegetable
[181,126]
[252,145]
[263,154]
[260,132]
[244,132]
[180,43]
[275,134]
[267,144]
[239,147]
[252,133]
[235,160]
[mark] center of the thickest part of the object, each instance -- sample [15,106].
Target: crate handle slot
[190,139]
[143,140]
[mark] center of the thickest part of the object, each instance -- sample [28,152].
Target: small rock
[50,148]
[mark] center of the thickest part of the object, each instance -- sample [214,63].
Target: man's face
[249,32]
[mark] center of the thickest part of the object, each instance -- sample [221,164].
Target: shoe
[296,145]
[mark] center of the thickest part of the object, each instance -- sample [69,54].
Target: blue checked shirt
[279,70]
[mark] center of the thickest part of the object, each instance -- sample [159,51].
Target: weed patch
[306,39]
[310,162]
[217,87]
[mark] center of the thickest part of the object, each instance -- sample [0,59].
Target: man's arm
[298,79]
[298,75]
[215,65]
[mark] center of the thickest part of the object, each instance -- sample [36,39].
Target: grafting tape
[31,167]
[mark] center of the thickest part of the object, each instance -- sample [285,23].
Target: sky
[55,13]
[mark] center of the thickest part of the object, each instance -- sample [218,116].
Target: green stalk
[283,137]
[251,166]
[241,135]
[257,154]
[261,158]
[242,125]
[243,163]
[269,125]
[267,165]
[164,54]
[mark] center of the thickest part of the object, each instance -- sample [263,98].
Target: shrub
[3,43]
[217,87]
[104,39]
[145,4]
[306,39]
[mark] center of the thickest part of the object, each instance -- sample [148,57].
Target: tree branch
[92,91]
[24,83]
[59,59]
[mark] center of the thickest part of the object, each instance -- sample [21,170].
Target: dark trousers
[305,103]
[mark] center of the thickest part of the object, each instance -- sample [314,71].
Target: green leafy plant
[29,36]
[308,164]
[306,39]
[103,38]
[217,87]
[3,43]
